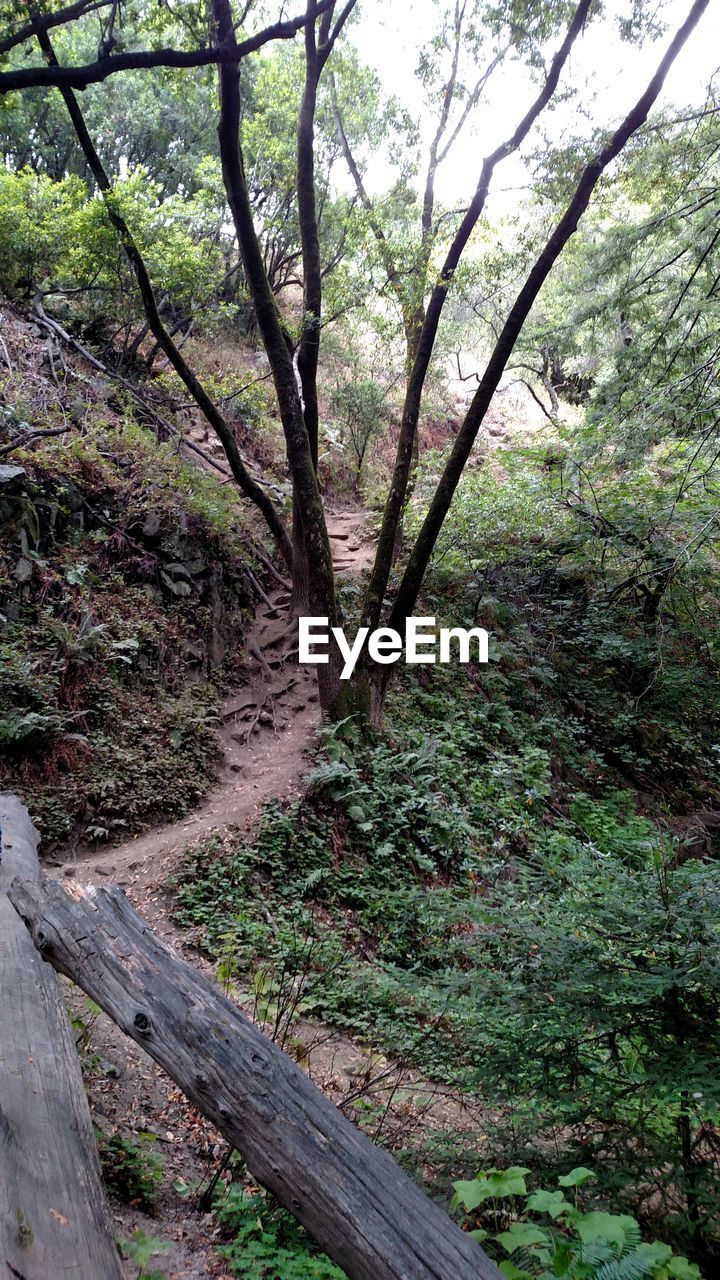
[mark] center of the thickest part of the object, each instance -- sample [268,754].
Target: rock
[23,570]
[10,474]
[151,525]
[178,570]
[178,588]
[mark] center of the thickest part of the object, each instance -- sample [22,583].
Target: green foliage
[576,1243]
[494,521]
[51,231]
[267,1243]
[440,893]
[55,236]
[140,1249]
[131,1170]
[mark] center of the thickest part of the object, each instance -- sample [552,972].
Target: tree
[629,328]
[323,24]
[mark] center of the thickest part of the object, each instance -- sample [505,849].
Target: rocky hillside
[127,580]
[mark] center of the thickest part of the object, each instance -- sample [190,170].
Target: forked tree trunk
[54,1222]
[350,1195]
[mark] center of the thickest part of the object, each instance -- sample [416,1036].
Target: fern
[577,1246]
[629,1267]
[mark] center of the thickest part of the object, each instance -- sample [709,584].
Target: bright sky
[389,34]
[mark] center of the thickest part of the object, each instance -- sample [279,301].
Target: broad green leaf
[471,1193]
[604,1226]
[512,1272]
[552,1202]
[680,1269]
[576,1177]
[507,1182]
[655,1254]
[521,1235]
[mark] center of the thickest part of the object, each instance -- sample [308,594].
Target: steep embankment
[146,671]
[265,726]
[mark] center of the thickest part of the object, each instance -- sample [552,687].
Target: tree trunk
[423,343]
[306,494]
[350,1195]
[207,406]
[54,1223]
[421,553]
[309,350]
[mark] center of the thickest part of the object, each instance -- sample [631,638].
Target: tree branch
[45,22]
[426,342]
[386,256]
[636,117]
[209,409]
[93,72]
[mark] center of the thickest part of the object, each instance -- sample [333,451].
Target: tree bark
[309,350]
[350,1195]
[53,1213]
[318,47]
[207,406]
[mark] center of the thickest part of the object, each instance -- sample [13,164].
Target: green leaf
[471,1193]
[512,1272]
[604,1226]
[521,1235]
[680,1269]
[576,1177]
[653,1255]
[552,1202]
[507,1182]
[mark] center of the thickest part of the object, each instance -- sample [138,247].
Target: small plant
[267,1243]
[83,1024]
[546,1234]
[130,1171]
[140,1249]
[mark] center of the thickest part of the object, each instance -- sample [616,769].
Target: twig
[35,435]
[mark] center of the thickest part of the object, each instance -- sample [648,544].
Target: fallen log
[351,1196]
[53,1215]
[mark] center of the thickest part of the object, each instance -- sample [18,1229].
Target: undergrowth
[265,1241]
[122,609]
[486,893]
[131,1170]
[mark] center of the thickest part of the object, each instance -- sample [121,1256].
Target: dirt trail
[266,726]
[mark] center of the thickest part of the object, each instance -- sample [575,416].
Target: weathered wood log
[53,1215]
[350,1195]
